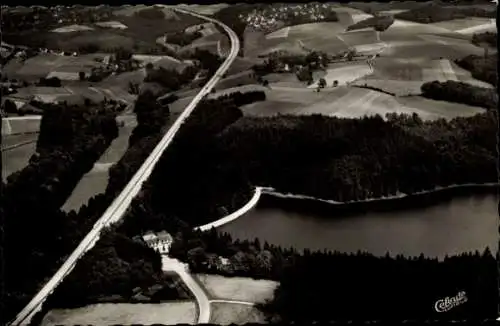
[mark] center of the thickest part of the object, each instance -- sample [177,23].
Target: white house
[160,242]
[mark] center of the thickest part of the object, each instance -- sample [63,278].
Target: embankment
[233,216]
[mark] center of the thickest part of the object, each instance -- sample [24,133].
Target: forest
[322,287]
[352,159]
[459,92]
[71,139]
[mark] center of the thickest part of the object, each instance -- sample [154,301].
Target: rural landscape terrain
[249,163]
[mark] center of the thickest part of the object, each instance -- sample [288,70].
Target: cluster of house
[271,17]
[160,241]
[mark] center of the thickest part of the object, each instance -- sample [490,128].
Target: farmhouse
[160,242]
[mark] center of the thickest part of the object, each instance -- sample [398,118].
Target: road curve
[119,206]
[181,269]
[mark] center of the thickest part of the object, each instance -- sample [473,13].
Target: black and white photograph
[249,163]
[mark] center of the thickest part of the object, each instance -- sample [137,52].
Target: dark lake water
[459,225]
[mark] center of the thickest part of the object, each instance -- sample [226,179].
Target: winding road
[119,206]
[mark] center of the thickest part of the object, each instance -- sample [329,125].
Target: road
[120,205]
[174,265]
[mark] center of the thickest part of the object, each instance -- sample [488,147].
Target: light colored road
[120,205]
[233,301]
[174,265]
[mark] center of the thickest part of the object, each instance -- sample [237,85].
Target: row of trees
[459,92]
[37,234]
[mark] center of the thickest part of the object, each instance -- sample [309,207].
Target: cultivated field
[237,288]
[125,314]
[233,313]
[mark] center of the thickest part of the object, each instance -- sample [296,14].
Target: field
[20,125]
[237,288]
[111,24]
[125,314]
[206,9]
[16,159]
[353,102]
[72,28]
[42,65]
[224,313]
[10,141]
[459,24]
[96,180]
[344,75]
[92,183]
[371,7]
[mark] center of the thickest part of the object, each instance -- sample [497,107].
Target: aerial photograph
[249,163]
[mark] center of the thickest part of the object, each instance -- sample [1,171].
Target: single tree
[81,75]
[335,83]
[322,83]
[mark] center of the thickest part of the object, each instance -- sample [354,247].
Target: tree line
[459,92]
[320,286]
[352,159]
[435,12]
[481,67]
[37,233]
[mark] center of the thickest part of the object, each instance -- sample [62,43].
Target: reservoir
[461,224]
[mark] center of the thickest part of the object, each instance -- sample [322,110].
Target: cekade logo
[448,303]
